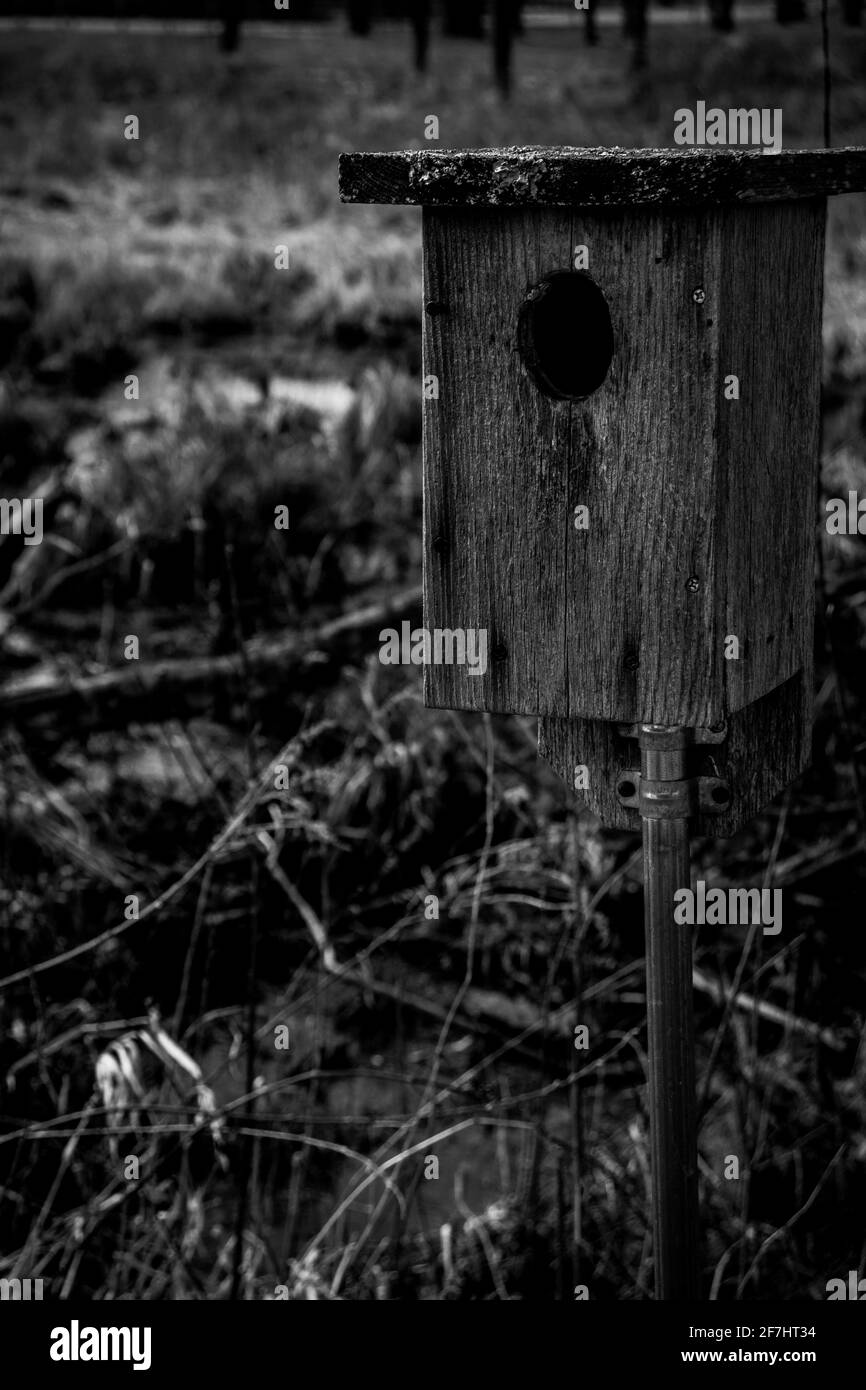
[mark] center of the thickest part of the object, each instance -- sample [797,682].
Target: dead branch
[150,691]
[804,1026]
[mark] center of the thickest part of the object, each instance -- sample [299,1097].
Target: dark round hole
[564,335]
[626,789]
[721,796]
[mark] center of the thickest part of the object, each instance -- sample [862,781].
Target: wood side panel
[769,307]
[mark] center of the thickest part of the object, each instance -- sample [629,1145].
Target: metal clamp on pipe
[662,789]
[662,800]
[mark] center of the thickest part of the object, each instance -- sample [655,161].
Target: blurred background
[368,929]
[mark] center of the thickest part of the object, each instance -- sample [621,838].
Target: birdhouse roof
[566,176]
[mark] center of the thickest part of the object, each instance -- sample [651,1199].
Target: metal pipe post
[665,793]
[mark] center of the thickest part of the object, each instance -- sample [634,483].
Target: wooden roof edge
[566,176]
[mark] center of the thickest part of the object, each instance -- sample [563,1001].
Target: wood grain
[542,176]
[769,300]
[700,509]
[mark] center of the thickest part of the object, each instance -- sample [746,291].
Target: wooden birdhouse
[622,350]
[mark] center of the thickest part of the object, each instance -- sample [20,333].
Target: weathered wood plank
[768,745]
[541,176]
[496,459]
[768,298]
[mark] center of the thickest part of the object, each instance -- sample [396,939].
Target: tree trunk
[635,28]
[503,37]
[230,34]
[360,17]
[790,11]
[590,28]
[463,19]
[722,15]
[421,33]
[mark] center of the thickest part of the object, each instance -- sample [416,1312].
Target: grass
[444,1036]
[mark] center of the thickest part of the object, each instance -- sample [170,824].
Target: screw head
[631,662]
[693,584]
[434,307]
[699,295]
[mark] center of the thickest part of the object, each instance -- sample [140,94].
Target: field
[152,856]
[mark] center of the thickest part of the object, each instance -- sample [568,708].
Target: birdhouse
[622,365]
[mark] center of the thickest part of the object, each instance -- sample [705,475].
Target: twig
[783,1230]
[725,994]
[247,1151]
